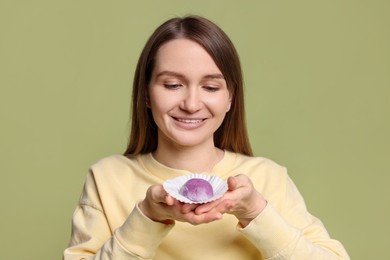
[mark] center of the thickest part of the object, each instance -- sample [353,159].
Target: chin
[187,138]
[189,141]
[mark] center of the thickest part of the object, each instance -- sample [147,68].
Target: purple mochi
[197,190]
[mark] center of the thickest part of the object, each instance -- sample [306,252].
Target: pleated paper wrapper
[173,186]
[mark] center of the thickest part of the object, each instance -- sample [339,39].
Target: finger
[158,194]
[240,180]
[188,208]
[195,219]
[232,183]
[223,207]
[169,200]
[207,207]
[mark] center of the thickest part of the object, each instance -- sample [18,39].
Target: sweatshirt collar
[154,167]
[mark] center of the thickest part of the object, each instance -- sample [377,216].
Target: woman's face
[188,95]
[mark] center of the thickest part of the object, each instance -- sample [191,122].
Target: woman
[188,112]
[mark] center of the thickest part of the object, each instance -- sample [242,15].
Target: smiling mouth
[189,121]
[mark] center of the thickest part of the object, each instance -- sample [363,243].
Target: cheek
[157,109]
[220,105]
[154,100]
[161,103]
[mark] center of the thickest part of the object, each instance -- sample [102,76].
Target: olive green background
[317,89]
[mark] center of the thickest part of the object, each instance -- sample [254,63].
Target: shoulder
[111,177]
[116,160]
[113,173]
[119,161]
[115,166]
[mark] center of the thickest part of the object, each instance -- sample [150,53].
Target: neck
[193,159]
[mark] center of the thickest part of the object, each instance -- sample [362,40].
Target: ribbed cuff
[141,235]
[269,232]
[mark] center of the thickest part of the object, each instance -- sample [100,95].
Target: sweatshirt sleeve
[137,238]
[292,233]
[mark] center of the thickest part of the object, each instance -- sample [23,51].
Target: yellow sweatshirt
[107,223]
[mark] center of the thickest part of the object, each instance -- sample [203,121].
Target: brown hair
[232,134]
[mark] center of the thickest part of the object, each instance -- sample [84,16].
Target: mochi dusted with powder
[197,190]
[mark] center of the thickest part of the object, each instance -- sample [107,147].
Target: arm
[287,233]
[278,239]
[141,232]
[92,238]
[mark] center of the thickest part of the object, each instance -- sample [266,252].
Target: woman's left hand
[241,200]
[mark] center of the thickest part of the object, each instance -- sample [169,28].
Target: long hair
[232,134]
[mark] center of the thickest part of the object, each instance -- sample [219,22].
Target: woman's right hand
[159,206]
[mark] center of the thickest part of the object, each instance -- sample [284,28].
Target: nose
[191,101]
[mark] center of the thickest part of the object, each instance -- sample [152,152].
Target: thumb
[232,183]
[238,181]
[158,194]
[169,200]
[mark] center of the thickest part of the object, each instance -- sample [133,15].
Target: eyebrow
[178,75]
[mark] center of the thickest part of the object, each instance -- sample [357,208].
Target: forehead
[184,56]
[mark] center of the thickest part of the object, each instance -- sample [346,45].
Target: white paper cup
[173,186]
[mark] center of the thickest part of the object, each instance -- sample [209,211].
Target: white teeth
[190,120]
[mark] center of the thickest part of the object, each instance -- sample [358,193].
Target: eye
[211,88]
[172,86]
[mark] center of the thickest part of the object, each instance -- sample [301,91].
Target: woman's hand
[242,200]
[159,206]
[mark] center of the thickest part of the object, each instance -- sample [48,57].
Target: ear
[230,104]
[147,101]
